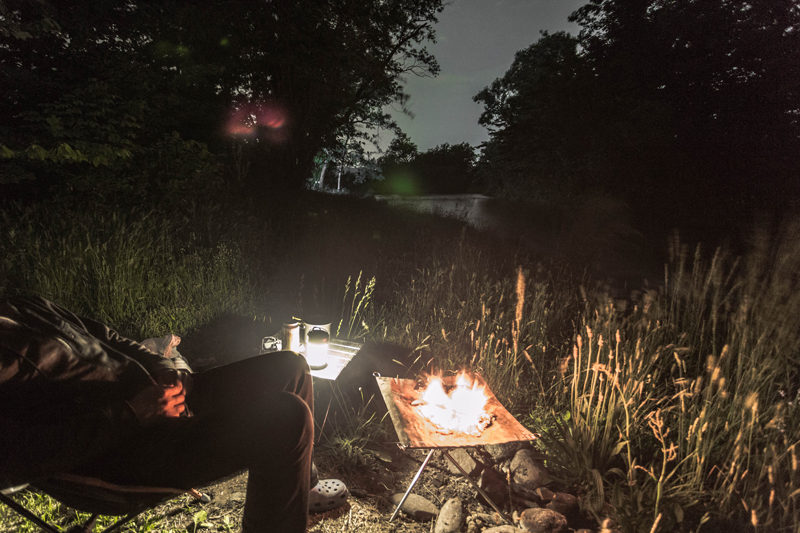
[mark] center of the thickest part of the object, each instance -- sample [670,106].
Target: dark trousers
[254,414]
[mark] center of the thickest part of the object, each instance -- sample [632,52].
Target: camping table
[340,353]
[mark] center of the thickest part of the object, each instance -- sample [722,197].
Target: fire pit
[452,412]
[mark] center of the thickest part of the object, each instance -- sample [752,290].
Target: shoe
[326,495]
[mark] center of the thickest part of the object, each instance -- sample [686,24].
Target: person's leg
[228,387]
[252,414]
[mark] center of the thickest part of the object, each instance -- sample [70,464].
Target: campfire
[451,412]
[448,412]
[460,409]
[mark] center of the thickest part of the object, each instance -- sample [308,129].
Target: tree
[399,176]
[445,169]
[665,103]
[542,120]
[401,150]
[96,102]
[326,66]
[298,76]
[729,72]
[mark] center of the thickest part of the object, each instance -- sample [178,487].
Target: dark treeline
[444,169]
[145,99]
[687,110]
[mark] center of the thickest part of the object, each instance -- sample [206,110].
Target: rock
[485,519]
[501,452]
[527,473]
[544,494]
[495,486]
[478,522]
[416,506]
[521,500]
[450,518]
[464,460]
[381,455]
[503,529]
[503,467]
[563,503]
[537,520]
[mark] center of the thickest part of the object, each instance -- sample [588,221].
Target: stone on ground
[477,522]
[564,503]
[495,486]
[451,517]
[416,506]
[501,452]
[537,520]
[503,529]
[464,460]
[544,494]
[527,473]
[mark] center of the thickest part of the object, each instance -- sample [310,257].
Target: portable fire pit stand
[458,466]
[417,432]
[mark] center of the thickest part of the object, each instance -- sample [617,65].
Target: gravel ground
[368,509]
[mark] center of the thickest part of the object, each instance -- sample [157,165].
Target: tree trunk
[322,174]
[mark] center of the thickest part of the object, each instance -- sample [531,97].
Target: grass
[677,411]
[133,270]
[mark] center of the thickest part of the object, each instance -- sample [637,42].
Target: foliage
[540,121]
[665,103]
[126,270]
[688,415]
[356,304]
[352,431]
[54,512]
[680,411]
[98,91]
[328,68]
[401,150]
[444,169]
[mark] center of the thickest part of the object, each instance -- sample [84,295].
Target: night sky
[477,40]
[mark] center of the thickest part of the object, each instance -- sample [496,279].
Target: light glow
[462,410]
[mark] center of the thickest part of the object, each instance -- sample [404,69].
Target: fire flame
[460,410]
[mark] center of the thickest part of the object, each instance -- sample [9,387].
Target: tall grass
[131,270]
[468,315]
[681,412]
[357,304]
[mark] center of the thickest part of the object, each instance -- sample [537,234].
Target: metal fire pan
[416,431]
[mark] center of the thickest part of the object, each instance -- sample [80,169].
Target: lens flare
[272,117]
[251,118]
[241,123]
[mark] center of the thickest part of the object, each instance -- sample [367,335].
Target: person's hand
[159,401]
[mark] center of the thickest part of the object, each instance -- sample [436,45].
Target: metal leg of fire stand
[480,490]
[413,482]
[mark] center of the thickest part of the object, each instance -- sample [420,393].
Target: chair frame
[159,493]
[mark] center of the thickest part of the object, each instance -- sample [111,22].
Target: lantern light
[317,348]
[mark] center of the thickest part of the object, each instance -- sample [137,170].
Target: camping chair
[97,497]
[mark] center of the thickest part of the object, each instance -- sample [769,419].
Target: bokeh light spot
[272,117]
[403,183]
[266,119]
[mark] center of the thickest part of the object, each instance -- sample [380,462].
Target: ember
[461,409]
